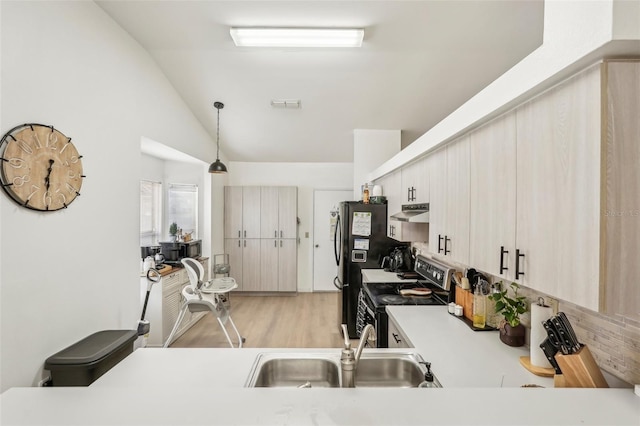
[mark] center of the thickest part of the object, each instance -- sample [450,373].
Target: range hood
[416,213]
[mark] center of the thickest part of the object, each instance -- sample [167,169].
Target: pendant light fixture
[217,166]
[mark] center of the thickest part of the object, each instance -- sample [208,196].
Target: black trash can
[83,362]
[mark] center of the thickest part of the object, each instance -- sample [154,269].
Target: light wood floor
[306,320]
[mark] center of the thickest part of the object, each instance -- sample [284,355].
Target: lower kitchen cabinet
[278,266]
[397,339]
[244,262]
[164,305]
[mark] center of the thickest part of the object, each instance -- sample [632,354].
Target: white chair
[202,296]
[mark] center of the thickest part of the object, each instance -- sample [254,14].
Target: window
[183,207]
[150,212]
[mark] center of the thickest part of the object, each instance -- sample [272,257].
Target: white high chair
[202,296]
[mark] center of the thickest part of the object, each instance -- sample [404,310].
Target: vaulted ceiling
[420,60]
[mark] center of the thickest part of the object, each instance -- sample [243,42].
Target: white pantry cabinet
[269,220]
[449,201]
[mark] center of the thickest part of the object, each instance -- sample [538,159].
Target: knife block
[579,370]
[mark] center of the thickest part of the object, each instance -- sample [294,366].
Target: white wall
[371,148]
[67,274]
[307,177]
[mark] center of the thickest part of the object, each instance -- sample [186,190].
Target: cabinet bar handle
[280,234]
[275,243]
[275,234]
[439,241]
[502,253]
[445,245]
[238,233]
[245,234]
[408,194]
[395,337]
[245,243]
[238,243]
[518,256]
[280,243]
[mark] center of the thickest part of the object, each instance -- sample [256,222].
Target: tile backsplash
[613,340]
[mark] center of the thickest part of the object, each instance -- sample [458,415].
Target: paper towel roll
[538,334]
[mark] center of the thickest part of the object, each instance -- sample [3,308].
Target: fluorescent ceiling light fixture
[297,37]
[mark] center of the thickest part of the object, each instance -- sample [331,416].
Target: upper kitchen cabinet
[449,201]
[400,231]
[578,180]
[242,211]
[279,209]
[492,226]
[415,183]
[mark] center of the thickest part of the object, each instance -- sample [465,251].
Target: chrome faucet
[349,359]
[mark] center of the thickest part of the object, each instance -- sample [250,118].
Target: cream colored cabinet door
[251,280]
[449,202]
[391,188]
[288,212]
[233,211]
[558,191]
[287,265]
[457,201]
[279,212]
[437,202]
[269,223]
[415,183]
[269,252]
[492,233]
[233,247]
[251,198]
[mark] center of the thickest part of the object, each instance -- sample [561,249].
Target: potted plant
[512,332]
[173,231]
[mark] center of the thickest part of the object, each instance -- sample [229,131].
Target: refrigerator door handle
[335,283]
[335,241]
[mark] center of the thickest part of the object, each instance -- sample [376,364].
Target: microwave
[191,249]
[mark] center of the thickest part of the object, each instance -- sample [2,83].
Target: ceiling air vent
[285,103]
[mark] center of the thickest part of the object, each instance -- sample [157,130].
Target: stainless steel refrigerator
[360,242]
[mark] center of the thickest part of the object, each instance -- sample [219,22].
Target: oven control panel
[434,272]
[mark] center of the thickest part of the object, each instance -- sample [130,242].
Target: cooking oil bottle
[479,308]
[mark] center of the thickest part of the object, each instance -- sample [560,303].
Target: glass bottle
[365,194]
[479,308]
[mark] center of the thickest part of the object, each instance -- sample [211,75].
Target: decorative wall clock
[40,168]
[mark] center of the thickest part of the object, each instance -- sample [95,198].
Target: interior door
[325,203]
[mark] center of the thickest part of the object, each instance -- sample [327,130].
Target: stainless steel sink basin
[294,372]
[376,368]
[399,372]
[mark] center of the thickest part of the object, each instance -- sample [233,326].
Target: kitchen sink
[294,372]
[376,368]
[387,371]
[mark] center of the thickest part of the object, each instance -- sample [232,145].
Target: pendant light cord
[218,137]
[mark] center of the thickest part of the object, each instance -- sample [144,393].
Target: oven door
[367,314]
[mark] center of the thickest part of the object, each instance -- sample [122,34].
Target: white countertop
[381,276]
[206,386]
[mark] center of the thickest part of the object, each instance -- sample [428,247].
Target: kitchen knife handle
[518,256]
[445,245]
[439,240]
[502,253]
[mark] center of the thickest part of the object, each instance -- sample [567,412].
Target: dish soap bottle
[479,308]
[428,378]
